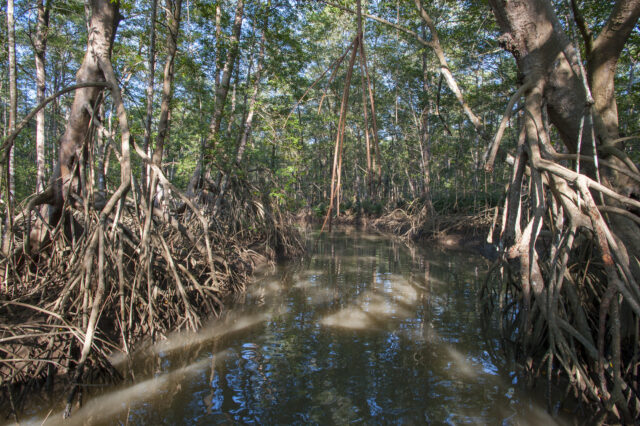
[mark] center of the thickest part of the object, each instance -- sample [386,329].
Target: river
[363,329]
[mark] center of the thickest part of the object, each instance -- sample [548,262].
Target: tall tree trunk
[337,155]
[173,12]
[371,90]
[6,235]
[151,65]
[197,173]
[218,44]
[247,126]
[222,89]
[367,141]
[425,137]
[13,96]
[365,110]
[53,119]
[103,24]
[40,45]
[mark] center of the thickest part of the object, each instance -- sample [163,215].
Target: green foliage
[372,208]
[292,144]
[320,209]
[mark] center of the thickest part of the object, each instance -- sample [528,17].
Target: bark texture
[602,61]
[223,88]
[13,95]
[40,46]
[581,105]
[151,64]
[103,23]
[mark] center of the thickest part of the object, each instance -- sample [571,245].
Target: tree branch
[383,21]
[437,48]
[616,31]
[584,29]
[8,142]
[490,155]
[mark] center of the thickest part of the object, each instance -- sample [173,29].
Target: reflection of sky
[356,332]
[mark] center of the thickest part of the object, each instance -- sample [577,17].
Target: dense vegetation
[193,130]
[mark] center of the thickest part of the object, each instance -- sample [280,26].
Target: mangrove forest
[320,211]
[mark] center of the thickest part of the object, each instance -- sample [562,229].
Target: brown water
[362,330]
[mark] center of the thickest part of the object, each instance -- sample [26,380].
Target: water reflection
[363,330]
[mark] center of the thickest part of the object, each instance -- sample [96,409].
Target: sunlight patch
[352,318]
[106,407]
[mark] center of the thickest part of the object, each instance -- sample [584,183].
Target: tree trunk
[218,44]
[533,34]
[58,80]
[103,24]
[365,110]
[173,12]
[13,97]
[371,90]
[334,198]
[602,62]
[425,137]
[7,231]
[247,126]
[583,109]
[151,64]
[223,89]
[40,45]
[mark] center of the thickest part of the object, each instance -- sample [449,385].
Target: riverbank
[67,308]
[454,231]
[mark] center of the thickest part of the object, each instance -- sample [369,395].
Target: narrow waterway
[364,329]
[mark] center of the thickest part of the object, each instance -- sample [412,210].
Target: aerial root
[564,283]
[102,283]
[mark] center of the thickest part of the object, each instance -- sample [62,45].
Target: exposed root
[455,230]
[100,285]
[565,285]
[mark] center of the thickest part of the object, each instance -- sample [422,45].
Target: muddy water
[362,330]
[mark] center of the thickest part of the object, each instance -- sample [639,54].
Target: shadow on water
[364,329]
